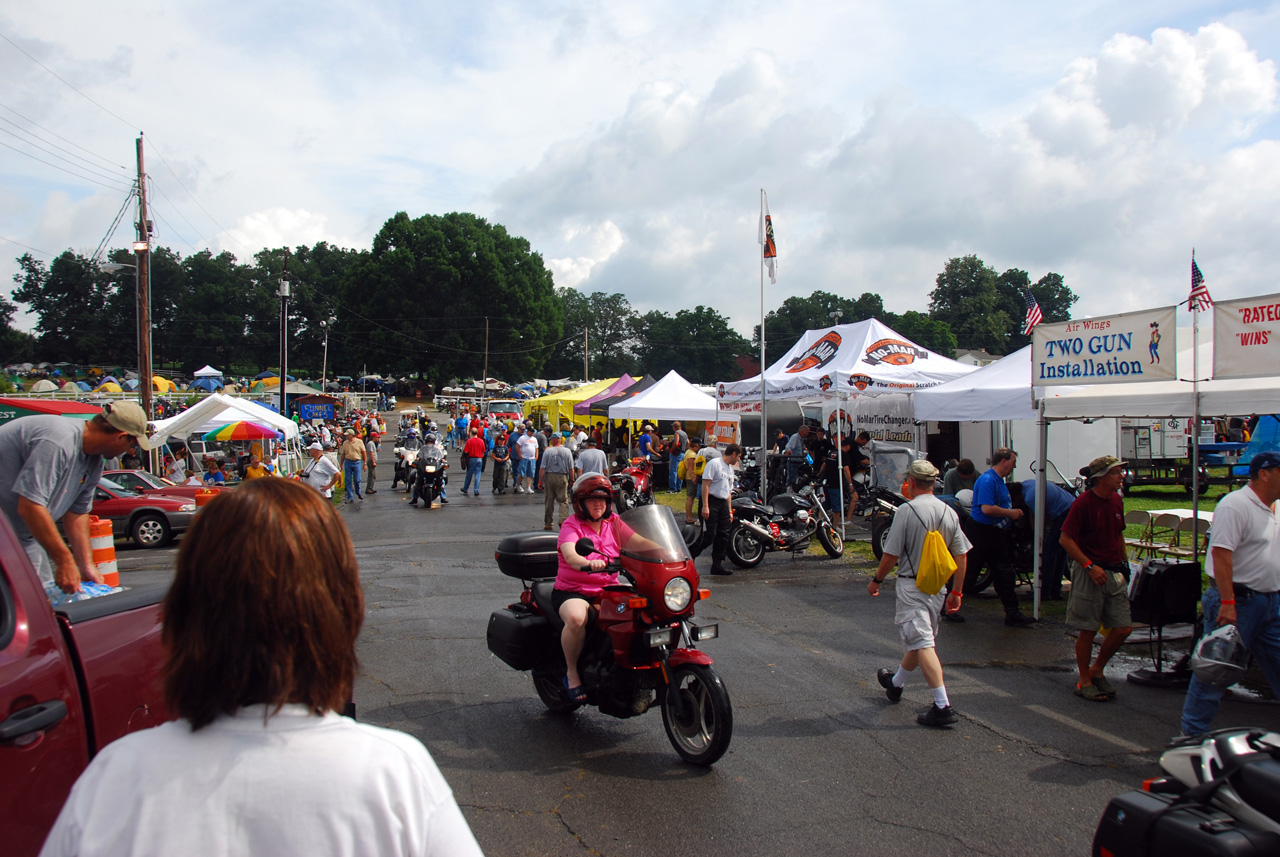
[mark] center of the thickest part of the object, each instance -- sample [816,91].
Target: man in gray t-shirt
[49,468]
[591,460]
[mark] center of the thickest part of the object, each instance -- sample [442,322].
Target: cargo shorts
[1092,606]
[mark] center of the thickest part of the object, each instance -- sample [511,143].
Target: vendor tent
[584,407]
[866,358]
[208,372]
[11,409]
[208,383]
[600,407]
[218,410]
[997,391]
[672,398]
[561,404]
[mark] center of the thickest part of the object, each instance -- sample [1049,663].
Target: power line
[63,80]
[62,169]
[80,161]
[221,229]
[115,224]
[60,137]
[28,246]
[194,229]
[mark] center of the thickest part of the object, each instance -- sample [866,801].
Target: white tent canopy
[671,398]
[1228,397]
[208,372]
[218,410]
[997,391]
[864,358]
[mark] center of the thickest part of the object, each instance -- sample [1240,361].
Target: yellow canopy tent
[558,405]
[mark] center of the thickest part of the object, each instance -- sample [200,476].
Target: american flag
[1034,316]
[1199,299]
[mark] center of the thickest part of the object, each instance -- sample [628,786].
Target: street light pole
[326,326]
[284,344]
[484,383]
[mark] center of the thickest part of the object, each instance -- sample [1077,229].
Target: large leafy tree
[967,298]
[922,330]
[697,343]
[609,323]
[16,346]
[1051,293]
[69,298]
[784,325]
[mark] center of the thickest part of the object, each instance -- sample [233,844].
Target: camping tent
[70,387]
[108,387]
[584,407]
[208,383]
[44,385]
[163,385]
[672,398]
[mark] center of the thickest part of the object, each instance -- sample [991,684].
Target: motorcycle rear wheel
[879,535]
[979,581]
[829,536]
[702,735]
[550,687]
[745,549]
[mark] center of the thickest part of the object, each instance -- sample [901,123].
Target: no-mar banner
[1113,349]
[1246,337]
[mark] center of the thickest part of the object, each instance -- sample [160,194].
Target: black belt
[721,499]
[1243,591]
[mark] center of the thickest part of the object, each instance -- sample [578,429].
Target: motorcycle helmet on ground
[1220,658]
[592,485]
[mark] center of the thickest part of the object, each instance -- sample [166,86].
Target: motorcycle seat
[542,590]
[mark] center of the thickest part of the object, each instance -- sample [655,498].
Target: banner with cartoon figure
[1112,349]
[1246,337]
[865,358]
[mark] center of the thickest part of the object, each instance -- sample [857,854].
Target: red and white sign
[1246,337]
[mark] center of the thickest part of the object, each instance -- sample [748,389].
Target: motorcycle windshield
[412,443]
[657,538]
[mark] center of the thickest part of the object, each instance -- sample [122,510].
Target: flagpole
[1195,418]
[764,425]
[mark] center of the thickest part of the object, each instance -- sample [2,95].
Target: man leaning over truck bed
[49,468]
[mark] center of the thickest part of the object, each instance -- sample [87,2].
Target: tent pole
[840,458]
[1042,475]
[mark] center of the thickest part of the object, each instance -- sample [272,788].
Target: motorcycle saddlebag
[519,637]
[529,556]
[1142,823]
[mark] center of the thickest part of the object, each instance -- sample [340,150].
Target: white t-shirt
[318,472]
[1245,526]
[527,445]
[298,784]
[720,475]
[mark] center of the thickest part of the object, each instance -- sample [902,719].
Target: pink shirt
[608,544]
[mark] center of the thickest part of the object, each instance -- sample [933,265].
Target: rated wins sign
[1114,349]
[1246,337]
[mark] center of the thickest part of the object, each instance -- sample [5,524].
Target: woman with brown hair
[261,624]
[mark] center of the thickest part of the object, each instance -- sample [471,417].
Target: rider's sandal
[1091,693]
[576,694]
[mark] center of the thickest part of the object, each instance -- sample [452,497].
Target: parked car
[72,680]
[151,520]
[147,483]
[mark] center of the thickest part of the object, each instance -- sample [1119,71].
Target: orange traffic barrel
[103,543]
[204,495]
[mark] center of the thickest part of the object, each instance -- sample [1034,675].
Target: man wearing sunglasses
[49,468]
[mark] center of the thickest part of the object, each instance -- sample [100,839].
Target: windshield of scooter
[657,538]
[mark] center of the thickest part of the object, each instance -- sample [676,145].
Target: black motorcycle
[788,523]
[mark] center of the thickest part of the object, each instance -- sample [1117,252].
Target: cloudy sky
[629,141]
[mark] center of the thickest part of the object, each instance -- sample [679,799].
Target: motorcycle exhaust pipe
[758,530]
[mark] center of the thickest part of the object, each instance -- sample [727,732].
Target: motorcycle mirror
[584,546]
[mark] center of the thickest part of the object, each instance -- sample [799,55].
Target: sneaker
[1019,620]
[444,501]
[936,716]
[885,677]
[476,494]
[371,491]
[721,570]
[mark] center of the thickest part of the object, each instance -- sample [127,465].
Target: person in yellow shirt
[255,470]
[689,470]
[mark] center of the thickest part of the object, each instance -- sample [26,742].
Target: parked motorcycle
[641,638]
[406,452]
[633,485]
[787,524]
[1220,795]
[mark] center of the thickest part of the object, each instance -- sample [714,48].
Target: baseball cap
[922,469]
[129,418]
[315,445]
[350,431]
[1102,464]
[1267,458]
[695,441]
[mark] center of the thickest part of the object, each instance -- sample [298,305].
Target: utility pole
[142,254]
[586,353]
[484,383]
[326,326]
[284,335]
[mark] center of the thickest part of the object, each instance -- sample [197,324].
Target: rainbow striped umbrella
[241,430]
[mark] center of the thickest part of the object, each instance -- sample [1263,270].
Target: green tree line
[421,301]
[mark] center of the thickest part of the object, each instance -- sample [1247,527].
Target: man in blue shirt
[1053,564]
[646,444]
[992,513]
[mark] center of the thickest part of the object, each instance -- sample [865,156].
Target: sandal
[1103,685]
[1091,692]
[576,694]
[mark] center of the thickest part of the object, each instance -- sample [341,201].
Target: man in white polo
[717,508]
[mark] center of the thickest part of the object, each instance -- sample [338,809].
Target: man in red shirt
[474,452]
[1093,536]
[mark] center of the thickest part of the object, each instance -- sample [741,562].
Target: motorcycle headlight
[677,595]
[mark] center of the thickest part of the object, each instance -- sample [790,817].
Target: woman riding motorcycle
[576,590]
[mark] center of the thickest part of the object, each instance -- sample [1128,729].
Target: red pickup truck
[72,680]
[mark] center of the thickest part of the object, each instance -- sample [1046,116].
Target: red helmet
[592,485]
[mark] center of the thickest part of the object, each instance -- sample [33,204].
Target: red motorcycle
[633,484]
[640,645]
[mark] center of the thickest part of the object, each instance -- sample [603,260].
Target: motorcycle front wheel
[879,535]
[830,538]
[745,549]
[702,730]
[550,687]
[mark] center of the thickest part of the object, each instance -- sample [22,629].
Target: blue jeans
[673,476]
[1258,618]
[473,472]
[351,471]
